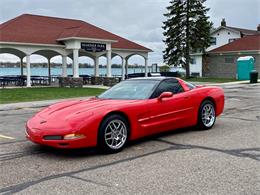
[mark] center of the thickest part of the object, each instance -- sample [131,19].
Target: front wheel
[113,134]
[206,115]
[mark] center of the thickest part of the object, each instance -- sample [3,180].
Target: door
[169,113]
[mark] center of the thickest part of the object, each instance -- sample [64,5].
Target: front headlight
[73,136]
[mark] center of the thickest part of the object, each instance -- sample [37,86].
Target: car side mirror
[165,95]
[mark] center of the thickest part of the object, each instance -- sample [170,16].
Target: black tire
[202,124]
[103,144]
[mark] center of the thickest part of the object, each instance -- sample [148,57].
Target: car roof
[152,78]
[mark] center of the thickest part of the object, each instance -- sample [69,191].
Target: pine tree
[187,28]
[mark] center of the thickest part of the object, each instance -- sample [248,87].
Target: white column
[96,70]
[49,70]
[126,67]
[28,70]
[49,67]
[146,67]
[123,68]
[75,63]
[21,66]
[109,74]
[64,66]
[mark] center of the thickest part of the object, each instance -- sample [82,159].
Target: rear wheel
[113,134]
[206,115]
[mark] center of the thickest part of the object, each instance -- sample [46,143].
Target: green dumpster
[244,66]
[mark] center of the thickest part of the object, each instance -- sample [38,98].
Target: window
[169,85]
[189,85]
[229,60]
[213,41]
[193,60]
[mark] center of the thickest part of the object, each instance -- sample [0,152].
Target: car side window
[169,85]
[189,85]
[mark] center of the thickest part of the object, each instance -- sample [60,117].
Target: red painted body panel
[145,117]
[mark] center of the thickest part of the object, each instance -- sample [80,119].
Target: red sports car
[131,109]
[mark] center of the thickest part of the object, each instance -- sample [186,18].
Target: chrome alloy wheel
[115,134]
[208,115]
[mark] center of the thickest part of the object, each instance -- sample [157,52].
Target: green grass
[210,80]
[48,93]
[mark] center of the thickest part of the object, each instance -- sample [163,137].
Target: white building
[219,37]
[29,34]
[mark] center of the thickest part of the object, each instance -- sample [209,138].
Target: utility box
[244,66]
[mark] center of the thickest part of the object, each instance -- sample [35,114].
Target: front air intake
[53,137]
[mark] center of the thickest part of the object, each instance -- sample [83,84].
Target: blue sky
[137,20]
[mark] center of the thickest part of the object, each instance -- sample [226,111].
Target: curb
[240,82]
[227,83]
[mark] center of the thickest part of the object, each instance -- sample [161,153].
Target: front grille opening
[53,137]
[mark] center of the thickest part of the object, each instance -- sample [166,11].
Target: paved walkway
[85,86]
[96,86]
[223,84]
[34,104]
[44,103]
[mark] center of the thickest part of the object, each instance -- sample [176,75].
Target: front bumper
[37,137]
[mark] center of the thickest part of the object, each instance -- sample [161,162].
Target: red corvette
[131,109]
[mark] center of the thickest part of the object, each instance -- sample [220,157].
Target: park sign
[93,47]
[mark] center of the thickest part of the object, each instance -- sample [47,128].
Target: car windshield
[131,89]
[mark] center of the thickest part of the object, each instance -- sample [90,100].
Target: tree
[164,68]
[186,29]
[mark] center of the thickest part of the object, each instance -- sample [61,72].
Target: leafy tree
[164,68]
[186,29]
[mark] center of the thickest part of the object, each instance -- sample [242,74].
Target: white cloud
[8,58]
[238,13]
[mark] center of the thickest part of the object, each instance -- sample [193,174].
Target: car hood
[68,109]
[75,112]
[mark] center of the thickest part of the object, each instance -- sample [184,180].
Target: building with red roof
[50,36]
[249,43]
[221,61]
[227,45]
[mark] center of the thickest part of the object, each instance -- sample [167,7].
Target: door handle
[186,97]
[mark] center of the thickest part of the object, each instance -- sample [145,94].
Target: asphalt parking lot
[223,160]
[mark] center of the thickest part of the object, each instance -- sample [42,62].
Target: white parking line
[6,137]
